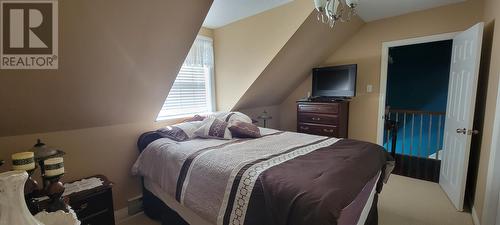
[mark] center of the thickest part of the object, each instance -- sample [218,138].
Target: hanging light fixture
[331,11]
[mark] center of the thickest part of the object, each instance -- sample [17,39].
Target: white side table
[58,218]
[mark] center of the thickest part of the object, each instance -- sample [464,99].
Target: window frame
[210,84]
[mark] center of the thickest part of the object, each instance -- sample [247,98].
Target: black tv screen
[335,81]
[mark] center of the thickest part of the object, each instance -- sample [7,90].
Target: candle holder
[53,171]
[42,153]
[55,190]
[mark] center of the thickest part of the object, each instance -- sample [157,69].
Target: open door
[462,89]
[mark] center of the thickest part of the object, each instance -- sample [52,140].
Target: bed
[281,178]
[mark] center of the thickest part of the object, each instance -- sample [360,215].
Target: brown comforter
[283,178]
[313,189]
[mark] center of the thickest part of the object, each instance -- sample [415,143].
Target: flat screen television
[334,82]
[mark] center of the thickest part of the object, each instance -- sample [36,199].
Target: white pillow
[232,117]
[182,131]
[215,129]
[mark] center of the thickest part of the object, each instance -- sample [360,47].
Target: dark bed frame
[156,209]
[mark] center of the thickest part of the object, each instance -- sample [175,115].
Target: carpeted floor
[404,201]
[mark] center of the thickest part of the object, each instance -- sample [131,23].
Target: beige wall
[117,61]
[491,13]
[288,108]
[272,111]
[109,150]
[307,48]
[243,49]
[364,49]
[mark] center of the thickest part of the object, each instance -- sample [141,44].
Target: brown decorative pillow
[214,128]
[180,132]
[244,130]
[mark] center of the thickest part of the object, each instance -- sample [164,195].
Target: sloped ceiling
[243,49]
[118,60]
[308,47]
[224,12]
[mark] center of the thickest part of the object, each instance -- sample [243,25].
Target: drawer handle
[82,207]
[328,130]
[316,119]
[304,128]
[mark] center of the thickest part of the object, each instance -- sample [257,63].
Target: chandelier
[331,11]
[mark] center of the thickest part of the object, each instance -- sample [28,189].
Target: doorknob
[462,131]
[472,132]
[468,132]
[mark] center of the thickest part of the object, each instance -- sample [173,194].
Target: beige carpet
[404,201]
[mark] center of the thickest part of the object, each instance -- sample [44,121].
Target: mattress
[281,178]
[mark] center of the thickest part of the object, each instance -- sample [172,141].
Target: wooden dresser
[93,206]
[323,118]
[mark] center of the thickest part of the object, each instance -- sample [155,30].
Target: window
[193,91]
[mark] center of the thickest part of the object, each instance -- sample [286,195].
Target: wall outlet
[134,205]
[369,88]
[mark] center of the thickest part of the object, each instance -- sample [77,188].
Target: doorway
[458,119]
[416,99]
[416,83]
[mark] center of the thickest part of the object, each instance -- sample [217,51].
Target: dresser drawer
[104,217]
[319,108]
[319,118]
[91,206]
[316,129]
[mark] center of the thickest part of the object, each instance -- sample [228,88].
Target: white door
[460,113]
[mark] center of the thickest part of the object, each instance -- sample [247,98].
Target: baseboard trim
[121,215]
[475,218]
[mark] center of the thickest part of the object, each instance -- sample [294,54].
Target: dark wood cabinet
[94,206]
[323,118]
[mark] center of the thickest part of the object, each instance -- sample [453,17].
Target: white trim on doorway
[475,218]
[384,67]
[492,196]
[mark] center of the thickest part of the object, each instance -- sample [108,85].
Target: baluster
[420,136]
[438,138]
[388,133]
[397,120]
[411,135]
[429,136]
[404,134]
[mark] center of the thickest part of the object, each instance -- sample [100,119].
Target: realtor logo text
[29,32]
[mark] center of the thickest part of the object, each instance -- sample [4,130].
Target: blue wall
[417,79]
[418,76]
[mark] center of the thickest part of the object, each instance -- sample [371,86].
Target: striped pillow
[234,117]
[214,128]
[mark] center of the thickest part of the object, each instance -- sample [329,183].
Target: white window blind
[192,92]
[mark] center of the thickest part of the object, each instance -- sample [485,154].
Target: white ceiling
[370,10]
[224,12]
